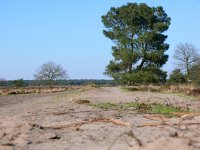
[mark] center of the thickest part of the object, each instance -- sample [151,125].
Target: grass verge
[155,108]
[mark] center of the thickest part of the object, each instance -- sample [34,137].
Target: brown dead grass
[187,89]
[38,89]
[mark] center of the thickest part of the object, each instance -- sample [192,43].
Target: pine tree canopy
[137,31]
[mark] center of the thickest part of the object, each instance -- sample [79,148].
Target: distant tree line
[52,74]
[25,83]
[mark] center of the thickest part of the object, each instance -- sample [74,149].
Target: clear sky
[69,32]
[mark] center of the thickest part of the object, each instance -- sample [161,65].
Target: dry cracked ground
[68,121]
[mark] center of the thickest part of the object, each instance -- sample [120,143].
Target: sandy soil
[57,121]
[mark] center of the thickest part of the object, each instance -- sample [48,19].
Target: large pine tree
[139,50]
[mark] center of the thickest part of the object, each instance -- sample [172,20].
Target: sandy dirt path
[46,122]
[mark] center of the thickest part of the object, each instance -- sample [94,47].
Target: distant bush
[177,77]
[2,82]
[195,73]
[18,83]
[147,75]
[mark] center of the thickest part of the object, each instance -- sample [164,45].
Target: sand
[52,121]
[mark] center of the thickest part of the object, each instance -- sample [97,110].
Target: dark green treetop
[137,31]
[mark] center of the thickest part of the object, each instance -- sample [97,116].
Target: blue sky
[69,32]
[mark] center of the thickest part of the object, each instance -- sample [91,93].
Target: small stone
[52,136]
[83,101]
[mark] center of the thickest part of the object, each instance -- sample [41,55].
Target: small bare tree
[186,55]
[50,72]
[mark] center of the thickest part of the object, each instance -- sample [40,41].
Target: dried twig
[185,113]
[77,125]
[168,124]
[155,117]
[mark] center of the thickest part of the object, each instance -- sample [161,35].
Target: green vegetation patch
[155,108]
[166,110]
